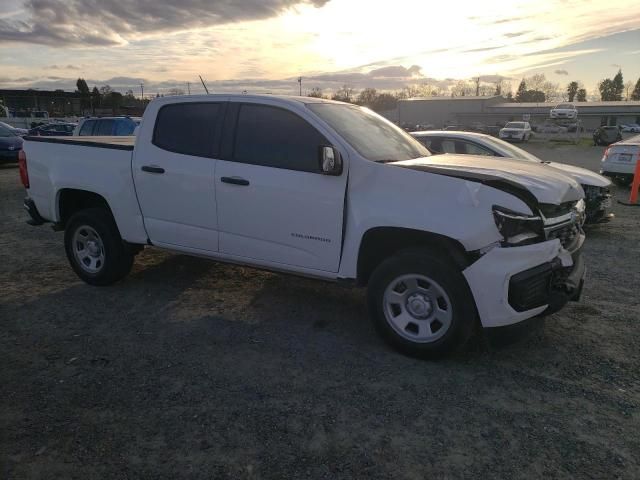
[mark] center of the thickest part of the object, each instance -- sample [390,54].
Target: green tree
[581,95]
[522,90]
[95,99]
[635,95]
[607,90]
[572,90]
[618,85]
[83,90]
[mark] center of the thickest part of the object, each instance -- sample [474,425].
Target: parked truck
[319,189]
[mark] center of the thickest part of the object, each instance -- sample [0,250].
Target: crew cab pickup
[321,189]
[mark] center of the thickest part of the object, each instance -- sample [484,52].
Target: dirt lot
[190,369]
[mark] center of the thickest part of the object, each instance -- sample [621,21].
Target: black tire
[448,277]
[117,255]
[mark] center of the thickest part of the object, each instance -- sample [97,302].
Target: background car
[106,126]
[620,159]
[596,187]
[53,130]
[606,135]
[516,131]
[20,132]
[630,128]
[10,145]
[564,110]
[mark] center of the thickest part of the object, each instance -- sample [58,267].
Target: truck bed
[118,143]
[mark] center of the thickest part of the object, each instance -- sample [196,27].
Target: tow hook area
[30,206]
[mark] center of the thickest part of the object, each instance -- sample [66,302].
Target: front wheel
[421,305]
[95,249]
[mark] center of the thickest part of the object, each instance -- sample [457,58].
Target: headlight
[517,228]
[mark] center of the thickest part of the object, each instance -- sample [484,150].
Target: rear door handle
[152,169]
[235,181]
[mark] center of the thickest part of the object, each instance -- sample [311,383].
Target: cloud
[63,67]
[516,34]
[112,22]
[561,72]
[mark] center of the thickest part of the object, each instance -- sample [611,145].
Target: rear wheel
[421,304]
[95,249]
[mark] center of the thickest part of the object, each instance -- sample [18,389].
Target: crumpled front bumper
[512,284]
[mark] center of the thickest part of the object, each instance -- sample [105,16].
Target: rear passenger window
[125,127]
[87,127]
[277,138]
[187,128]
[104,128]
[473,149]
[448,146]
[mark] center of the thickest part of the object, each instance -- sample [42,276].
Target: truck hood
[546,185]
[581,175]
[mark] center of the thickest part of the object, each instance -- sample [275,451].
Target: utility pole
[142,90]
[188,88]
[478,87]
[300,82]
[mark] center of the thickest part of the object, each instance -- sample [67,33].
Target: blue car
[107,126]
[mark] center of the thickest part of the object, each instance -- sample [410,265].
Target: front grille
[550,210]
[593,193]
[567,234]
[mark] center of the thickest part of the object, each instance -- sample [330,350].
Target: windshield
[511,150]
[514,125]
[565,105]
[372,136]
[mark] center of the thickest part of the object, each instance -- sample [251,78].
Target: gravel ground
[191,369]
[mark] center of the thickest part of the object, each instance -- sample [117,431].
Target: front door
[174,171]
[274,204]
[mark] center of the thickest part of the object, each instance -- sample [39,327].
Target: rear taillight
[24,173]
[606,152]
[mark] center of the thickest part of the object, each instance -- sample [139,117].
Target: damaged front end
[598,202]
[542,257]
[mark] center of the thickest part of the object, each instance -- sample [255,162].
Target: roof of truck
[241,97]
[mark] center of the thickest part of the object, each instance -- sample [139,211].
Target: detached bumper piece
[30,206]
[547,284]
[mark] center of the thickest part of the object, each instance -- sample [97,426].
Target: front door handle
[235,181]
[152,169]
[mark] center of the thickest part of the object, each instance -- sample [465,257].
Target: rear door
[274,204]
[173,171]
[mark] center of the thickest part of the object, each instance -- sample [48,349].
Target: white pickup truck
[321,189]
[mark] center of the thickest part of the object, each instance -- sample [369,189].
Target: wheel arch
[72,200]
[379,243]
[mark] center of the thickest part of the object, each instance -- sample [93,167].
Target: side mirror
[330,161]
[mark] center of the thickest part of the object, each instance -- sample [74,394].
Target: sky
[264,45]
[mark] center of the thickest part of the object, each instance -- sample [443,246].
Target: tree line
[535,88]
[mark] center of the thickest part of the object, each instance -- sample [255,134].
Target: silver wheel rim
[417,308]
[88,249]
